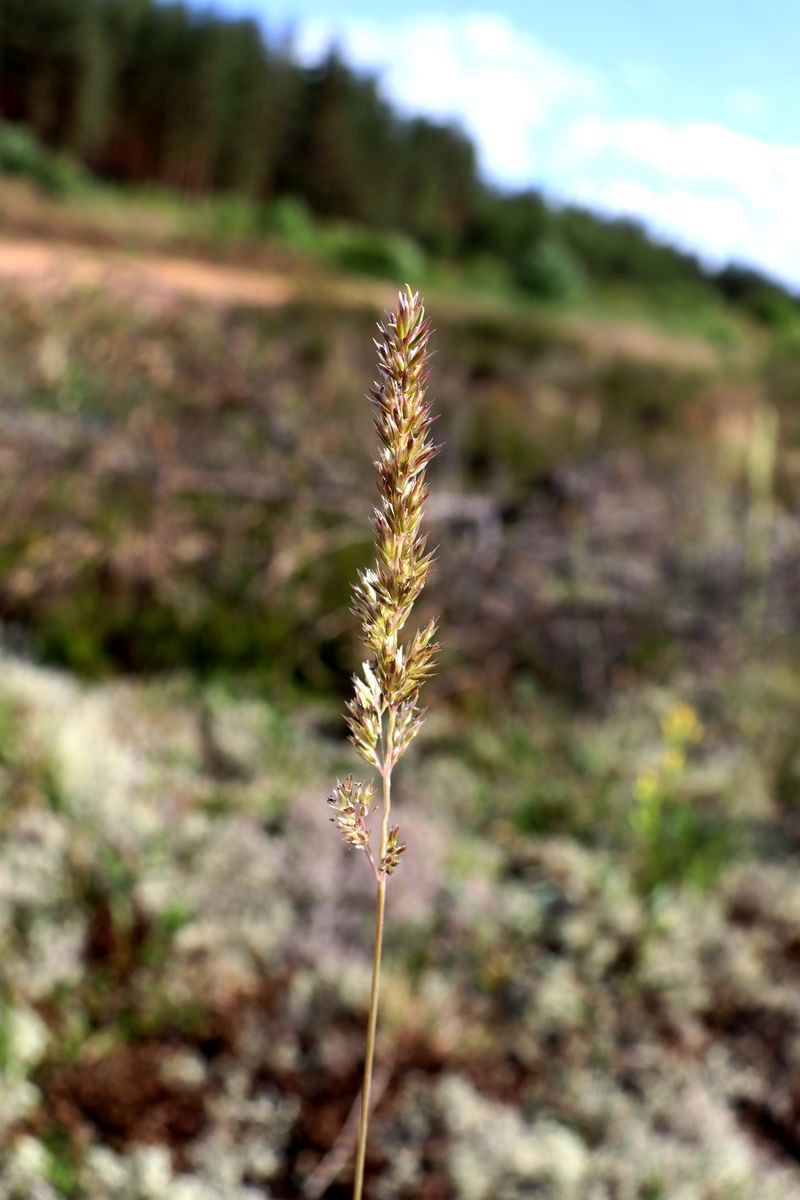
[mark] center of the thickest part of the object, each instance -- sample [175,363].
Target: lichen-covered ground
[185,959]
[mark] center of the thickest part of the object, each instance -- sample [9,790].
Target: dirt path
[59,266]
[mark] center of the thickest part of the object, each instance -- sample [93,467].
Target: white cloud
[766,174]
[691,219]
[727,194]
[500,84]
[539,117]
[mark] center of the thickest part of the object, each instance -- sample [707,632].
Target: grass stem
[372,1020]
[372,1024]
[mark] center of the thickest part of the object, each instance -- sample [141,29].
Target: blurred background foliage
[593,946]
[146,93]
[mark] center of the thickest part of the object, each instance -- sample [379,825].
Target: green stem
[372,1020]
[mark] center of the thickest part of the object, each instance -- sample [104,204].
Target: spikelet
[394,848]
[351,803]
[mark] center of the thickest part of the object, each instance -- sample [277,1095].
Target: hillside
[190,99]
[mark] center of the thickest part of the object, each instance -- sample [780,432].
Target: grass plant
[384,715]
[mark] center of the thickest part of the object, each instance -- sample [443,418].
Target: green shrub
[21,154]
[550,271]
[371,252]
[290,220]
[233,218]
[487,273]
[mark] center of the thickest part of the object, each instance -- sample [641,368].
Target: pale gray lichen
[495,1154]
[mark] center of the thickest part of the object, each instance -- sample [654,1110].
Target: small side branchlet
[394,848]
[384,715]
[351,803]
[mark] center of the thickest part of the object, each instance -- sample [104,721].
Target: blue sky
[683,114]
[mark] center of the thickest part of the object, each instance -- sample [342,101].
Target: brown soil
[59,266]
[125,1098]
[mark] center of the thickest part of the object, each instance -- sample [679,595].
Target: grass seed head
[384,715]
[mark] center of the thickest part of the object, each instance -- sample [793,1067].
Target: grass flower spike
[384,715]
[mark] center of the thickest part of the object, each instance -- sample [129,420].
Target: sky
[683,114]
